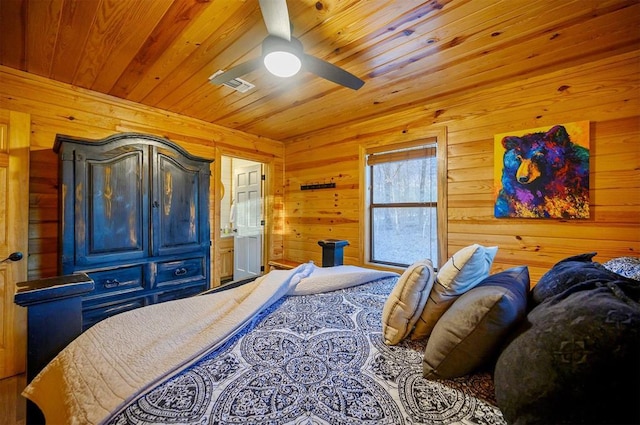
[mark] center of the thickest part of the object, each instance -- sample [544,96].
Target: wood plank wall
[61,108]
[605,92]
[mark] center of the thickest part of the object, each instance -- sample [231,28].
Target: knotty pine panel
[311,233]
[605,92]
[96,115]
[43,214]
[564,96]
[60,108]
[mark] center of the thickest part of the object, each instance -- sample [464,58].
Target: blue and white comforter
[314,359]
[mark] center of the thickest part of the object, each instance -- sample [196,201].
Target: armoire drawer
[117,280]
[189,291]
[178,272]
[93,314]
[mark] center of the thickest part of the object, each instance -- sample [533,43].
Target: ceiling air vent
[237,84]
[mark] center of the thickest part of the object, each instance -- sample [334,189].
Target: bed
[301,346]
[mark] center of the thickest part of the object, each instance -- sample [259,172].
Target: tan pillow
[471,332]
[406,301]
[464,270]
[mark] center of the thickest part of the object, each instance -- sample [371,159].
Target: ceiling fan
[283,54]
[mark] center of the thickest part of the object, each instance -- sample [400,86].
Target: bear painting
[543,173]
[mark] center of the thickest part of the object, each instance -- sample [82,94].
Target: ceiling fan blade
[331,72]
[276,18]
[237,71]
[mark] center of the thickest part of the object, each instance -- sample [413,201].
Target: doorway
[241,219]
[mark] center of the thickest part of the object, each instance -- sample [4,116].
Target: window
[404,215]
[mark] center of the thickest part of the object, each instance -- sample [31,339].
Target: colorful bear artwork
[543,173]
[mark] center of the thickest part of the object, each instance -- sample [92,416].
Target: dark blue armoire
[135,219]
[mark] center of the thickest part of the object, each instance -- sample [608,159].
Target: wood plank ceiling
[409,53]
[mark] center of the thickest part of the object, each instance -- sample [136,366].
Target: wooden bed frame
[54,319]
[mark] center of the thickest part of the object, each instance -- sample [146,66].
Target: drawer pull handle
[111,283]
[180,272]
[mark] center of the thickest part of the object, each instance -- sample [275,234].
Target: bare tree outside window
[403,206]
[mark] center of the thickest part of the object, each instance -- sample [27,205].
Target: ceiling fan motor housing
[276,44]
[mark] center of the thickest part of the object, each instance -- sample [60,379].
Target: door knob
[14,256]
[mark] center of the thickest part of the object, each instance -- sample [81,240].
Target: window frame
[431,136]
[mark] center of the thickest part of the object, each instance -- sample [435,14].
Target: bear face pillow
[406,301]
[464,270]
[472,331]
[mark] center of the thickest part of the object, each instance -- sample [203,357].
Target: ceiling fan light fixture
[282,57]
[282,64]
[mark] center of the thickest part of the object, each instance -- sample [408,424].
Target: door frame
[268,195]
[16,239]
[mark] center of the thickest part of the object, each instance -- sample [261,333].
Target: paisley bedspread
[315,359]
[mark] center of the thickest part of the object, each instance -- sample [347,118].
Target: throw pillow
[406,301]
[472,331]
[464,270]
[576,360]
[624,266]
[567,273]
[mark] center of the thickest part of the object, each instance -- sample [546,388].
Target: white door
[248,228]
[15,129]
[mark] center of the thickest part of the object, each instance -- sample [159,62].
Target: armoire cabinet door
[111,208]
[178,205]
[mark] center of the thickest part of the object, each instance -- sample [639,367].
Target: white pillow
[464,270]
[405,303]
[325,279]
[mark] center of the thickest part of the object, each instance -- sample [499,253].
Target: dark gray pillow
[578,361]
[472,331]
[567,273]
